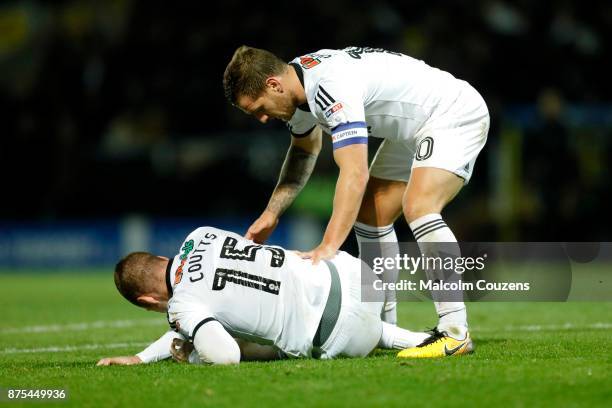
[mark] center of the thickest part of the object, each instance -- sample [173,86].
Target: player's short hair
[134,275]
[246,73]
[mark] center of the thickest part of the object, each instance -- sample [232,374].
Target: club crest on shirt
[308,61]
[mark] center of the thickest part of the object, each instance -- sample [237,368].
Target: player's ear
[274,84]
[146,301]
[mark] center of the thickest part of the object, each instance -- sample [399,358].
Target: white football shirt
[256,292]
[359,92]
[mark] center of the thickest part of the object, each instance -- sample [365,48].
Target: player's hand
[262,228]
[321,252]
[180,350]
[122,360]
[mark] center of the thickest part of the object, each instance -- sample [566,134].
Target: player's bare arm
[297,168]
[352,161]
[295,172]
[119,360]
[156,351]
[180,350]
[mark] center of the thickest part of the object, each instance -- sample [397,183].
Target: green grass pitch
[56,326]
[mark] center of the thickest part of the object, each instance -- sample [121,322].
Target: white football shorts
[359,327]
[450,141]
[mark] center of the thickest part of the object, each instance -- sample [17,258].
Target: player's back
[261,293]
[396,94]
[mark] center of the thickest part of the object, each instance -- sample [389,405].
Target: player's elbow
[312,143]
[215,346]
[228,355]
[362,177]
[359,177]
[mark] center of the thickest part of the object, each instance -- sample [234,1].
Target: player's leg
[443,163]
[394,337]
[382,202]
[358,327]
[429,191]
[381,206]
[250,351]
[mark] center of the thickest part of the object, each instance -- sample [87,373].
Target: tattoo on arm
[295,172]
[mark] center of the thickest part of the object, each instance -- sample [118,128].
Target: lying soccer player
[221,286]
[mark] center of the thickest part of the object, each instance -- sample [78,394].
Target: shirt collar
[298,70]
[168,277]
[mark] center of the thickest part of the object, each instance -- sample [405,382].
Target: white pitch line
[526,328]
[63,349]
[546,327]
[100,324]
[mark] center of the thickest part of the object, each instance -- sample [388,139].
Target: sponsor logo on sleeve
[333,109]
[312,60]
[187,248]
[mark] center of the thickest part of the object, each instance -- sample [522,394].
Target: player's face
[271,104]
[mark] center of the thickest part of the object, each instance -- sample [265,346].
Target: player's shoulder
[358,53]
[317,60]
[322,65]
[186,315]
[202,236]
[327,68]
[191,292]
[206,232]
[184,300]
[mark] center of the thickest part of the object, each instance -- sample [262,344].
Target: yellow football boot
[439,344]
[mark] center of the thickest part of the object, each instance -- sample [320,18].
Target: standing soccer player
[433,126]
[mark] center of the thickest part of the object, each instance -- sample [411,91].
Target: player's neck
[295,87]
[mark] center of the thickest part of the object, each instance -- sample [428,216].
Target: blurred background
[116,135]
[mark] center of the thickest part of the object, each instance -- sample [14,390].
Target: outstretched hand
[121,360]
[180,350]
[262,228]
[319,253]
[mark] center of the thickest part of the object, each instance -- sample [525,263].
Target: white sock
[389,248]
[394,337]
[429,230]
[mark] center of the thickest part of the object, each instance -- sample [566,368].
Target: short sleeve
[340,105]
[301,124]
[160,349]
[188,323]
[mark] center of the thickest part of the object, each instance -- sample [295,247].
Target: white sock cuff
[425,218]
[426,224]
[394,337]
[372,232]
[447,308]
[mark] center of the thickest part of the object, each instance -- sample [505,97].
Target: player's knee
[378,213]
[375,217]
[367,212]
[415,209]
